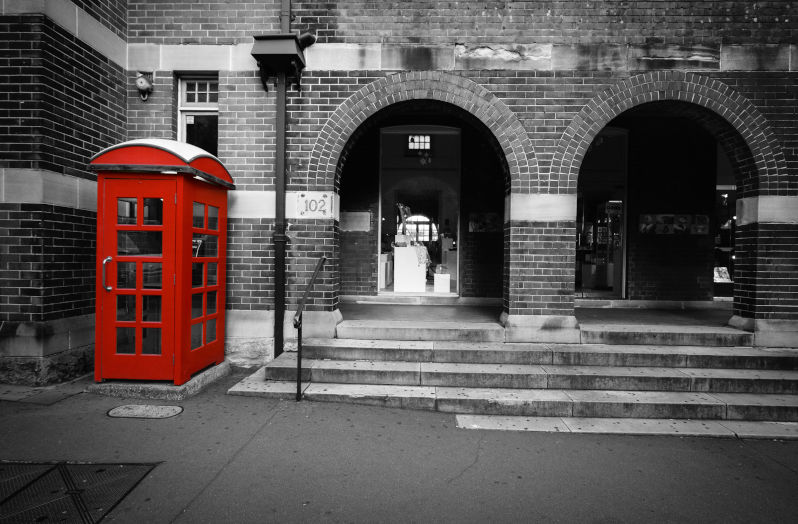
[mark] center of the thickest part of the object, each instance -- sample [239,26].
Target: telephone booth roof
[161,156]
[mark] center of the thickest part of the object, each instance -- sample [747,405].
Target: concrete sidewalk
[239,459]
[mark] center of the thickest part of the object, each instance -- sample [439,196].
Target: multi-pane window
[204,274]
[418,142]
[199,113]
[420,229]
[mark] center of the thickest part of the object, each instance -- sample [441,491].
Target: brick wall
[359,259]
[47,258]
[157,117]
[65,101]
[250,263]
[309,240]
[541,268]
[190,22]
[766,271]
[560,21]
[246,129]
[111,13]
[487,22]
[776,96]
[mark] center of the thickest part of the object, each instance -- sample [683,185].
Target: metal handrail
[298,325]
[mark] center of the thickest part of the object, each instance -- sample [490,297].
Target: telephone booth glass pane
[210,333]
[211,303]
[205,245]
[126,210]
[151,341]
[196,305]
[213,218]
[139,243]
[198,219]
[153,211]
[126,341]
[211,274]
[126,275]
[196,335]
[151,273]
[196,274]
[126,307]
[151,308]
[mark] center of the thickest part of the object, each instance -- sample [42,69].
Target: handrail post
[299,361]
[298,325]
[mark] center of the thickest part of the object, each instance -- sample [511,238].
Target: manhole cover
[64,492]
[145,411]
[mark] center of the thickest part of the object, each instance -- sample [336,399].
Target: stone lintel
[41,186]
[520,57]
[561,329]
[663,56]
[590,57]
[465,56]
[767,209]
[343,57]
[262,204]
[763,57]
[416,57]
[540,207]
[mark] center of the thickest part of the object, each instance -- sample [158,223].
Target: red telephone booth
[161,244]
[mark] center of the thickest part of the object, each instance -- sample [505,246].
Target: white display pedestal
[409,275]
[442,283]
[385,270]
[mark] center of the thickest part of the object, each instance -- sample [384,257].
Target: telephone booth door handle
[107,287]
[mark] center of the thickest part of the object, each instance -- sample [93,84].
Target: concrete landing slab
[666,335]
[633,426]
[408,397]
[160,390]
[256,385]
[763,429]
[411,330]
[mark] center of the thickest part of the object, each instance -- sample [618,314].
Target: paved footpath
[240,459]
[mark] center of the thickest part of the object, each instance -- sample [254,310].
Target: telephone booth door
[136,279]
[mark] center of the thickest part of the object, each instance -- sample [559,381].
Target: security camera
[144,85]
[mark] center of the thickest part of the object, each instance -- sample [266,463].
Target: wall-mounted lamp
[282,53]
[144,85]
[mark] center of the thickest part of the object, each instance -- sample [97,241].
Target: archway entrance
[656,206]
[422,205]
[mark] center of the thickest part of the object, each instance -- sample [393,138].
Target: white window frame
[185,109]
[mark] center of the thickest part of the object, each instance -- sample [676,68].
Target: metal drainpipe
[280,238]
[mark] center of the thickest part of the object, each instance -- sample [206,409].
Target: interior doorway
[448,172]
[419,210]
[656,208]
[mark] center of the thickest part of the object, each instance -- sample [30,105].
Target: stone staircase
[653,373]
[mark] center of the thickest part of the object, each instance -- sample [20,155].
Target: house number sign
[314,205]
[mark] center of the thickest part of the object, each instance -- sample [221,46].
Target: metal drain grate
[63,492]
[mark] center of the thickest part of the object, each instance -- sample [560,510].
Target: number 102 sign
[314,205]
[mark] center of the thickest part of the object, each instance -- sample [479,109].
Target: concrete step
[663,335]
[524,376]
[540,402]
[746,429]
[558,354]
[411,330]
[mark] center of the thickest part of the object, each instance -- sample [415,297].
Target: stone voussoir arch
[324,168]
[701,90]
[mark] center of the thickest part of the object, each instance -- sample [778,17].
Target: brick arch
[324,166]
[736,123]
